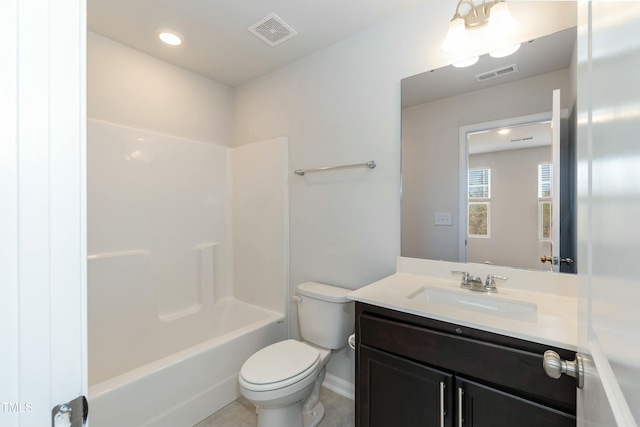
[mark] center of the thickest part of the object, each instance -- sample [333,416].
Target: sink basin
[478,302]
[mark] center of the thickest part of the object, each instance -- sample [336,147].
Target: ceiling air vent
[500,72]
[272,30]
[526,138]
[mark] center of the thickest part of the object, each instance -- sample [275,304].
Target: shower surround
[188,270]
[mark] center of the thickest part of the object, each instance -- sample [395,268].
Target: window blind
[480,183]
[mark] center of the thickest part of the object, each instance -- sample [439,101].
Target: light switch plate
[443,218]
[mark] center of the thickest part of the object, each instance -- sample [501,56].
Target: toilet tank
[325,314]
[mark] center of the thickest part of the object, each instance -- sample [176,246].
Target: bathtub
[181,389]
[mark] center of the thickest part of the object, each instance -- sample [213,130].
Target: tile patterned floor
[241,413]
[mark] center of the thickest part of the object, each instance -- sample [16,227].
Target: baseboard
[340,386]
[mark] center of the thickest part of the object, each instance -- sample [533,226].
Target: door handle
[554,366]
[554,260]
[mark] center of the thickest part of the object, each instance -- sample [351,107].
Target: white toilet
[283,380]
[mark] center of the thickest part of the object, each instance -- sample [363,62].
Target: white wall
[430,145]
[342,105]
[261,223]
[131,88]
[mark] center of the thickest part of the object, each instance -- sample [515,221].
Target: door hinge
[70,414]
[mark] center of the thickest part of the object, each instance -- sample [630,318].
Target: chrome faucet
[474,283]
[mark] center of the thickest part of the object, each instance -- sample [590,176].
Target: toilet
[283,380]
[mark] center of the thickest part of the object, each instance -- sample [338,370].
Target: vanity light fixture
[492,17]
[170,37]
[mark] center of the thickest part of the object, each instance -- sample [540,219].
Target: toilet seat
[279,365]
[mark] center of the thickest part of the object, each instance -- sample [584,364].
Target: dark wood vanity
[414,371]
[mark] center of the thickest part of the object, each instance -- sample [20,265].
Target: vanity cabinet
[399,392]
[415,371]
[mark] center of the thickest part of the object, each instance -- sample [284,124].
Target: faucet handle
[465,281]
[468,280]
[490,285]
[464,273]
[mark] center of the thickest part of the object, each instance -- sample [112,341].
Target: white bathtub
[187,386]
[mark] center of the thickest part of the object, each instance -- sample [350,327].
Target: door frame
[463,164]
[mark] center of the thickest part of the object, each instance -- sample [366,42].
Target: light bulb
[170,38]
[456,39]
[501,23]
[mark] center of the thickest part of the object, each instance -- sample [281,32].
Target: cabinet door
[393,391]
[482,406]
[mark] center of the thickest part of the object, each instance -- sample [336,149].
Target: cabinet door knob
[554,366]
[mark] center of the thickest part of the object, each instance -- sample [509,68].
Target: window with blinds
[545,180]
[479,183]
[545,194]
[479,202]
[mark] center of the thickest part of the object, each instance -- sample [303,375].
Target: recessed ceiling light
[504,131]
[170,38]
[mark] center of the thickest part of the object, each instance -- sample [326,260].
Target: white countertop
[554,321]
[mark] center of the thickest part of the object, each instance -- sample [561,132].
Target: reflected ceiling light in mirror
[170,37]
[466,62]
[506,51]
[495,16]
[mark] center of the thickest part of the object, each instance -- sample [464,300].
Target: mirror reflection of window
[545,186]
[509,192]
[479,202]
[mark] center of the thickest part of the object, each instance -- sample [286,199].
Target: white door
[42,209]
[609,211]
[555,192]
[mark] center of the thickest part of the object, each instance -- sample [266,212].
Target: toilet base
[313,417]
[313,409]
[278,417]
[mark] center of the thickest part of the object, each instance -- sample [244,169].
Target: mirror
[450,117]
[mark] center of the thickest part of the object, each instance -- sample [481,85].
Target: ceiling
[519,137]
[217,44]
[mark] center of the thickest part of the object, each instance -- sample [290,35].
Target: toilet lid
[279,362]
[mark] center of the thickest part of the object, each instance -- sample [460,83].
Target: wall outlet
[443,218]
